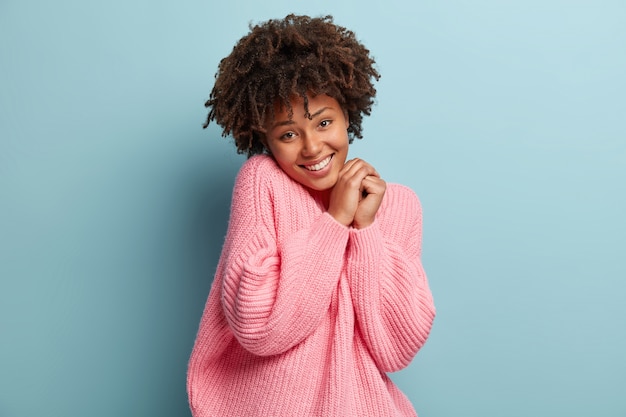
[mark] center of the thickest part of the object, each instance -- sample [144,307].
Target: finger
[357,163]
[359,168]
[373,185]
[348,164]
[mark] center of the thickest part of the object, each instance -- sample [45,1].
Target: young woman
[319,291]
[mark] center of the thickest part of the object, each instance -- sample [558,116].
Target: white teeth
[320,165]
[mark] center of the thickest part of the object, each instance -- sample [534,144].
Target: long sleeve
[275,293]
[390,293]
[305,314]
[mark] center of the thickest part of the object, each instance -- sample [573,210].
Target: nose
[311,145]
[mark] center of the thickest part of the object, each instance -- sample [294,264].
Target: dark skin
[356,197]
[280,59]
[352,190]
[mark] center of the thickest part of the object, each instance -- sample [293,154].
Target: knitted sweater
[305,316]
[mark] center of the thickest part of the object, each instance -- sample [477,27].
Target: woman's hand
[357,195]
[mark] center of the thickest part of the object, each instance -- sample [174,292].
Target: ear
[347,117]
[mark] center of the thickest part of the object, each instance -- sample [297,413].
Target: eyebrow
[290,121]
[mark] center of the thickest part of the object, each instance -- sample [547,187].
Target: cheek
[283,155]
[342,138]
[274,148]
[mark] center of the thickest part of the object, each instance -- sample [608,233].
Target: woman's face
[311,151]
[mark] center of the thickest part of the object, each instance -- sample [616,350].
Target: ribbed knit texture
[305,315]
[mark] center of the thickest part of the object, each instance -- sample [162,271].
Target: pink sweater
[305,316]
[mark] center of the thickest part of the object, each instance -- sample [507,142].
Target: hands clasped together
[356,197]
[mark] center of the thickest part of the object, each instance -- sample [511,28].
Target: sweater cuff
[335,233]
[367,243]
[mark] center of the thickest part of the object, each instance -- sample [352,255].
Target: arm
[274,297]
[391,297]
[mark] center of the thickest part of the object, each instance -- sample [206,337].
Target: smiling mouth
[320,165]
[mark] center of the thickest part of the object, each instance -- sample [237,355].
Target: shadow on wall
[208,185]
[200,184]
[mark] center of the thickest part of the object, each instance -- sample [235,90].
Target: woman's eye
[325,123]
[288,136]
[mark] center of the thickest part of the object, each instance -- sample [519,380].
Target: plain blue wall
[506,117]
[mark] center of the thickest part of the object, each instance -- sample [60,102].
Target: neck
[322,196]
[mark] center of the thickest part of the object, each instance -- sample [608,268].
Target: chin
[323,187]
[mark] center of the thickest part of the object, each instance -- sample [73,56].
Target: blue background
[506,117]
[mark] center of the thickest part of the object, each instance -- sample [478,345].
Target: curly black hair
[281,59]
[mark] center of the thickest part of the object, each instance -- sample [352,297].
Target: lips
[320,165]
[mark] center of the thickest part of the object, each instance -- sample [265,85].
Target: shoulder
[401,198]
[259,165]
[260,177]
[260,171]
[400,213]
